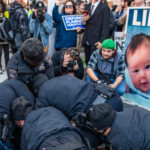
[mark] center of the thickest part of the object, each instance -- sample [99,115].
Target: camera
[39,13]
[70,65]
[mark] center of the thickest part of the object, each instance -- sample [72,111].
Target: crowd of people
[57,104]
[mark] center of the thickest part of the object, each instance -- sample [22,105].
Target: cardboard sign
[119,41]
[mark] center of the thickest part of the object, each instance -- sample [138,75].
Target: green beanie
[108,44]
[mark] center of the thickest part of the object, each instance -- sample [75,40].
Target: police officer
[124,130]
[10,90]
[72,95]
[48,128]
[30,61]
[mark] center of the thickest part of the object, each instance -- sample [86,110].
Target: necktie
[92,9]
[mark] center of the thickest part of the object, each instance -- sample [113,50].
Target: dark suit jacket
[97,27]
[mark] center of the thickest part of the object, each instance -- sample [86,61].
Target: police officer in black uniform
[48,128]
[126,130]
[9,91]
[29,62]
[72,95]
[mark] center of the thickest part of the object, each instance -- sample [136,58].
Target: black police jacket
[68,94]
[18,68]
[44,125]
[10,90]
[130,130]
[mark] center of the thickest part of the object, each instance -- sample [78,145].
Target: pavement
[4,75]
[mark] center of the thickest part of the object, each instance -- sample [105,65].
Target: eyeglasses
[69,6]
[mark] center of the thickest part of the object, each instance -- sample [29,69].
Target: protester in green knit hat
[108,44]
[107,65]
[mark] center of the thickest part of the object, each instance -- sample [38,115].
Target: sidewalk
[3,76]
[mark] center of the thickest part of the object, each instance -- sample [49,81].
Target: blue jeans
[120,89]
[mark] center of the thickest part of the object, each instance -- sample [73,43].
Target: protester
[66,61]
[122,20]
[9,91]
[64,38]
[19,21]
[71,95]
[50,129]
[138,72]
[40,24]
[81,11]
[124,130]
[31,6]
[96,26]
[107,65]
[117,14]
[29,62]
[5,37]
[139,3]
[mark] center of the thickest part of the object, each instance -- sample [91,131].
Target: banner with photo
[71,22]
[137,56]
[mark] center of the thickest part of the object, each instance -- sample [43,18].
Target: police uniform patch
[42,67]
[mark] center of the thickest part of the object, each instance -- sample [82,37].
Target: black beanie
[33,50]
[20,108]
[38,80]
[102,116]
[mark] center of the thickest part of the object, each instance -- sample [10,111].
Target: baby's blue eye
[136,71]
[147,67]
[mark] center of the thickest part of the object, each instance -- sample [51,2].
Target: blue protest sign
[71,22]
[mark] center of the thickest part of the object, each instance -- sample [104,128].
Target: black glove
[33,16]
[42,18]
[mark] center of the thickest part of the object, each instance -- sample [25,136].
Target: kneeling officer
[48,129]
[126,130]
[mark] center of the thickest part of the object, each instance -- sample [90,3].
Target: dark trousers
[88,52]
[5,47]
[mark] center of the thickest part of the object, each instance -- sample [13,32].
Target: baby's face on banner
[139,67]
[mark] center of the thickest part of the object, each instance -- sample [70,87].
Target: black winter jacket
[19,19]
[130,130]
[68,94]
[44,126]
[18,68]
[10,90]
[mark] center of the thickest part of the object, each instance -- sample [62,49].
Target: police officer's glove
[42,18]
[33,16]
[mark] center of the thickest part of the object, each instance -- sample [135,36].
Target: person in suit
[96,26]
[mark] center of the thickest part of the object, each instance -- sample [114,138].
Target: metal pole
[51,50]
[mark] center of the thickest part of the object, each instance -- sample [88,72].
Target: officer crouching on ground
[47,129]
[10,90]
[72,95]
[30,61]
[124,130]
